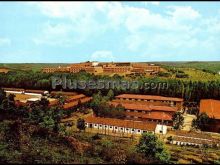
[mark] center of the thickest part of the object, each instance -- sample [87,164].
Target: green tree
[177,120]
[2,95]
[8,104]
[44,102]
[201,121]
[153,148]
[110,94]
[81,124]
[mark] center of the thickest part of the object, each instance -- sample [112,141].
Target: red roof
[152,115]
[74,103]
[63,93]
[75,97]
[158,115]
[142,107]
[149,97]
[149,126]
[34,91]
[13,89]
[210,107]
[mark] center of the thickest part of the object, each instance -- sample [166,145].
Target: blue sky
[68,32]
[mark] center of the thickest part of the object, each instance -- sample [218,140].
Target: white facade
[161,129]
[116,129]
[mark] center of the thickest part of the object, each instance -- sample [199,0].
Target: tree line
[187,89]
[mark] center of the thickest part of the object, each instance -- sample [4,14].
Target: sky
[68,32]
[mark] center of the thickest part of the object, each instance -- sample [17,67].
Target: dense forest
[187,89]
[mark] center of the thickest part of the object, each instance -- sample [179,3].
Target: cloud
[102,55]
[77,22]
[180,30]
[58,34]
[183,13]
[152,3]
[5,41]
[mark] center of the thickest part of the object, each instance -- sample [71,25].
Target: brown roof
[152,115]
[158,115]
[74,103]
[149,126]
[142,107]
[155,103]
[63,93]
[75,97]
[149,97]
[53,103]
[34,91]
[13,89]
[210,107]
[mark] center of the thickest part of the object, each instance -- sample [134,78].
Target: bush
[96,137]
[164,74]
[182,75]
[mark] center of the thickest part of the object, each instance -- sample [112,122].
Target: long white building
[112,125]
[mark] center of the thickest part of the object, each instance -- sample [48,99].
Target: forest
[191,91]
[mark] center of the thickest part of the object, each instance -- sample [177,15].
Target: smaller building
[193,139]
[4,70]
[161,129]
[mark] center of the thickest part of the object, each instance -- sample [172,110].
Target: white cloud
[54,35]
[77,22]
[5,41]
[102,55]
[152,3]
[145,31]
[183,13]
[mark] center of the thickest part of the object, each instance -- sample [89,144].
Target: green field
[197,71]
[30,66]
[208,65]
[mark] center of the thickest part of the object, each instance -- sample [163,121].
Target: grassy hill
[213,66]
[30,66]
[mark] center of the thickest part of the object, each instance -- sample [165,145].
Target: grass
[208,65]
[187,154]
[30,66]
[199,75]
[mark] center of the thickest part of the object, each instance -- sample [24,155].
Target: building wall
[115,129]
[3,70]
[106,68]
[170,103]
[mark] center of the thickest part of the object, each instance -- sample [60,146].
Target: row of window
[116,128]
[162,101]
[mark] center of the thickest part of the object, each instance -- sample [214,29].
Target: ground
[187,125]
[188,155]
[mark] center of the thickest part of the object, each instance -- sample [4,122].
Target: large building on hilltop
[108,68]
